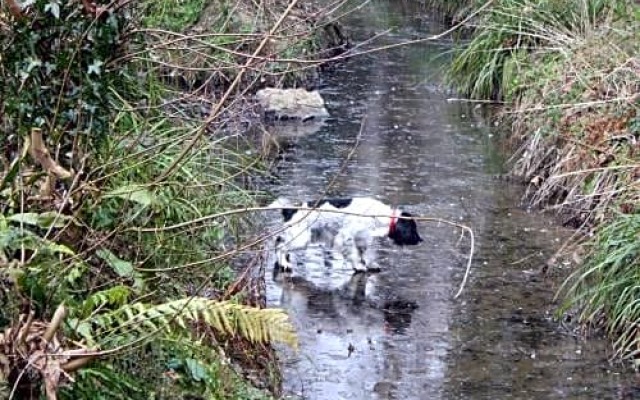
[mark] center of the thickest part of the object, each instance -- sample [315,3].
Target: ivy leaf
[49,67]
[95,68]
[54,8]
[196,369]
[45,220]
[33,63]
[135,193]
[82,328]
[54,248]
[174,363]
[121,267]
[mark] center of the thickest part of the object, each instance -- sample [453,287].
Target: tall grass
[507,35]
[568,71]
[606,288]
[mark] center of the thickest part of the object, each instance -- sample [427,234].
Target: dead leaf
[536,180]
[40,153]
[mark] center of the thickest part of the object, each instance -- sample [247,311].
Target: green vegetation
[106,261]
[512,32]
[569,73]
[171,15]
[577,119]
[452,9]
[607,286]
[223,36]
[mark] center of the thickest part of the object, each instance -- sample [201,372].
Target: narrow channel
[400,334]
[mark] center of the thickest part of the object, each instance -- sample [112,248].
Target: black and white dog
[346,225]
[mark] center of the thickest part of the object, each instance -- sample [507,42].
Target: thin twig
[220,104]
[590,170]
[310,209]
[575,105]
[458,100]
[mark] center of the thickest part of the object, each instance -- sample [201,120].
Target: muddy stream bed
[400,334]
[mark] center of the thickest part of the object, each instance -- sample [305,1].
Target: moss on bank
[569,73]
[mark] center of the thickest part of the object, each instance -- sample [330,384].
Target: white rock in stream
[292,103]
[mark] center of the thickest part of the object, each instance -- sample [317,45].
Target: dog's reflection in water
[347,307]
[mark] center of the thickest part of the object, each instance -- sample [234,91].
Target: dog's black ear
[287,213]
[406,232]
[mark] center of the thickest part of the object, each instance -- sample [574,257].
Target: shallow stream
[400,334]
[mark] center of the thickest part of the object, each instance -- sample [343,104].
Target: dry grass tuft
[579,124]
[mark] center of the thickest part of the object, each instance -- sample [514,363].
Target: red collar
[393,222]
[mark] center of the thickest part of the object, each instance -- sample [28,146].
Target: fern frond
[256,325]
[114,296]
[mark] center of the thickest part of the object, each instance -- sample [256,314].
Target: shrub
[104,260]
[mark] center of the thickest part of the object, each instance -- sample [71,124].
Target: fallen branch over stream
[206,218]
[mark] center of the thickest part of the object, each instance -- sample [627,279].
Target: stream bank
[568,72]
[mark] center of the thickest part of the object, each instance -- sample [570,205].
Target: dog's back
[341,221]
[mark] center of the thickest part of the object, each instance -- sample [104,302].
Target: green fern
[4,389]
[101,382]
[116,296]
[139,319]
[15,237]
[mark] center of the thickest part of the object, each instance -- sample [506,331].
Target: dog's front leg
[353,255]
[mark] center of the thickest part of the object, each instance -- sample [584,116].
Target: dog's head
[405,231]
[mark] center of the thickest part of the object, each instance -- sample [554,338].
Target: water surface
[400,334]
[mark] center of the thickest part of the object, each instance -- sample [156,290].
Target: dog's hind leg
[283,258]
[346,245]
[366,251]
[362,251]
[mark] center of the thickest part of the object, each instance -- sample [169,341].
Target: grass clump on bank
[607,286]
[577,119]
[171,15]
[106,264]
[451,10]
[507,34]
[569,73]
